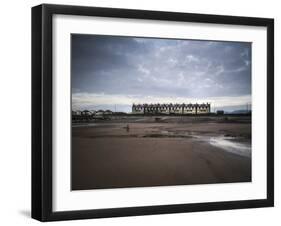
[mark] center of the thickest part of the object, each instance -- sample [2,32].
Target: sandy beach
[149,151]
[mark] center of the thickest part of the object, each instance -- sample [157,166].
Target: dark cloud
[160,67]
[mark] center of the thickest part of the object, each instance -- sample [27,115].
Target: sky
[113,72]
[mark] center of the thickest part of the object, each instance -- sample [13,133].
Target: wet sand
[122,154]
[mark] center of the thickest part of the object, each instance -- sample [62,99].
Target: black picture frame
[42,111]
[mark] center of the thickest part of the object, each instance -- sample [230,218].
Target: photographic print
[159,112]
[139,112]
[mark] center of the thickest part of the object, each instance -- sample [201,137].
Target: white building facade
[170,109]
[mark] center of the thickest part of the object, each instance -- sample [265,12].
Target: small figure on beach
[127,128]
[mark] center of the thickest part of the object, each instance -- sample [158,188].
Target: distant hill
[239,112]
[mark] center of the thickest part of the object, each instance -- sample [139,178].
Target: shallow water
[93,124]
[83,124]
[229,144]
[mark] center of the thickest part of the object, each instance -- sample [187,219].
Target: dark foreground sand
[110,155]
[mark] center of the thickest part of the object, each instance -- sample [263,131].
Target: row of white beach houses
[195,109]
[170,109]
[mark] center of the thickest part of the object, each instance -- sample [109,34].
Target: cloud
[124,68]
[191,58]
[143,70]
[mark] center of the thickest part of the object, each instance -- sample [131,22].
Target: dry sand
[115,155]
